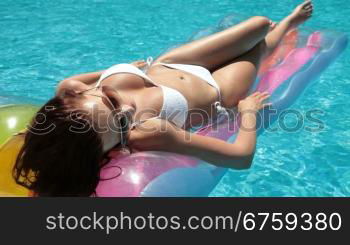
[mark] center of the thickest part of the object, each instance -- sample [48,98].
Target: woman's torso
[199,94]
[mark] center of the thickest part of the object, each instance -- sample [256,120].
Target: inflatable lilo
[300,58]
[286,75]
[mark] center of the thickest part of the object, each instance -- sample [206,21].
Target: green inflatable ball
[14,118]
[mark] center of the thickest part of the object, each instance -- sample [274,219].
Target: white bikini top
[175,106]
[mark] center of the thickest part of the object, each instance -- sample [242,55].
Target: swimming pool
[43,42]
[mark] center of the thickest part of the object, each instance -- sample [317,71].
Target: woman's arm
[90,78]
[238,155]
[87,78]
[164,136]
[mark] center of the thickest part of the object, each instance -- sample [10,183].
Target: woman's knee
[261,23]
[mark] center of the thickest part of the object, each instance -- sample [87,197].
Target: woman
[91,114]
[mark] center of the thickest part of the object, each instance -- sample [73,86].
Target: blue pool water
[43,42]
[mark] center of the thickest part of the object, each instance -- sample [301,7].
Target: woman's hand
[254,102]
[139,63]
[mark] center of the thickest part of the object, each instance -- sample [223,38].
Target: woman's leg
[236,77]
[217,49]
[300,14]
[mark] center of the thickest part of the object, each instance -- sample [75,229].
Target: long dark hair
[55,159]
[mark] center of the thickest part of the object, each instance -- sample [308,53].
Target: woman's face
[110,111]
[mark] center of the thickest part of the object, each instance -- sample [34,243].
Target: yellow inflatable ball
[8,155]
[14,118]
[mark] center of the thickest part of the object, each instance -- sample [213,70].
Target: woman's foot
[300,14]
